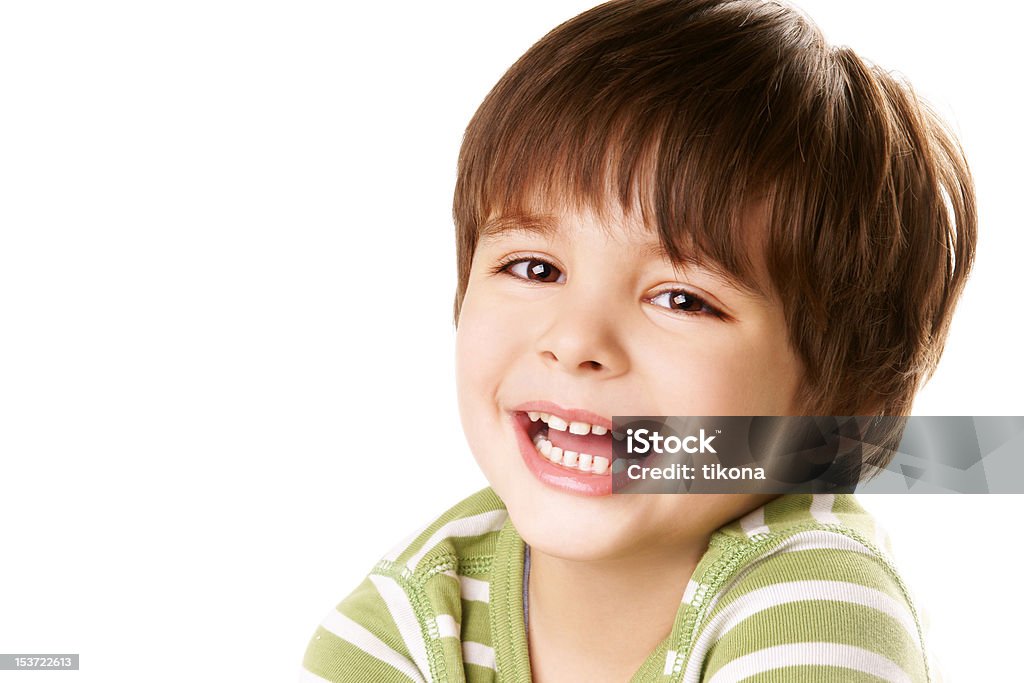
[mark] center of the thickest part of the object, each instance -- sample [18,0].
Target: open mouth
[576,446]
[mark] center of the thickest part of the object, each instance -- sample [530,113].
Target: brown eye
[535,270]
[681,301]
[684,302]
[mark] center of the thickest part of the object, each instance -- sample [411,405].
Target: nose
[583,335]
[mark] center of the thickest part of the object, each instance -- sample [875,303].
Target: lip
[556,476]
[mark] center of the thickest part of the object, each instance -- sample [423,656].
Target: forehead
[565,225]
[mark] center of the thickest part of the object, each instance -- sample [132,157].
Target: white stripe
[478,653]
[405,618]
[753,522]
[811,654]
[310,677]
[467,526]
[474,589]
[691,590]
[796,591]
[821,508]
[470,588]
[346,629]
[395,552]
[447,627]
[804,540]
[813,539]
[670,662]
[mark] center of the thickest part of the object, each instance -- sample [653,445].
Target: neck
[634,597]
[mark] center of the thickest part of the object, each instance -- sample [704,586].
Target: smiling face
[585,316]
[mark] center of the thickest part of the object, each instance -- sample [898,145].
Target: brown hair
[695,110]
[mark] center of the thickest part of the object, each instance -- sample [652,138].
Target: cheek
[486,346]
[481,346]
[728,376]
[485,351]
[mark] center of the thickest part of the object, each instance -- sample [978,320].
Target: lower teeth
[583,462]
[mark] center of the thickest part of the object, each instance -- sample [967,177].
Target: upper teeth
[555,422]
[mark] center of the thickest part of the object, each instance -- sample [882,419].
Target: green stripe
[448,548]
[443,589]
[451,653]
[820,621]
[813,674]
[852,514]
[479,674]
[476,623]
[469,547]
[338,660]
[786,512]
[367,608]
[824,564]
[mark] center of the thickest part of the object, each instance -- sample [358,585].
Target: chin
[569,527]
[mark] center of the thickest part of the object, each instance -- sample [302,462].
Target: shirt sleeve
[366,639]
[815,616]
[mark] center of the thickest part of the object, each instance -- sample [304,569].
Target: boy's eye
[534,269]
[538,270]
[684,302]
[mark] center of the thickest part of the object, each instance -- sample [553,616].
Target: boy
[673,207]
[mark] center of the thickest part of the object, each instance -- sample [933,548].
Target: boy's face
[587,318]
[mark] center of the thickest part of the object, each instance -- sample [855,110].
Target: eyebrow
[547,227]
[542,226]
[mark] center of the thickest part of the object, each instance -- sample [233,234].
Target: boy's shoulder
[422,612]
[466,531]
[807,579]
[823,516]
[828,536]
[808,544]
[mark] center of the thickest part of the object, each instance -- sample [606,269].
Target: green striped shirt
[799,590]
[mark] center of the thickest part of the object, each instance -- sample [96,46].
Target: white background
[226,349]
